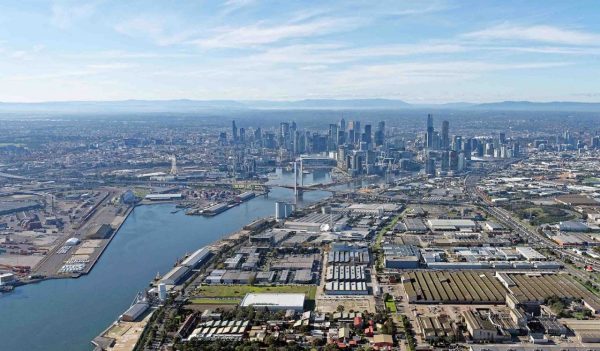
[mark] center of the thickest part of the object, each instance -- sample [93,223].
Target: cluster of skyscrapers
[445,155]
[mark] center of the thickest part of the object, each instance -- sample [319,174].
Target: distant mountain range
[147,106]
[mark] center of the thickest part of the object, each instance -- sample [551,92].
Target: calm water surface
[66,314]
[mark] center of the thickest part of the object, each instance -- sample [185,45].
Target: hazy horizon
[420,52]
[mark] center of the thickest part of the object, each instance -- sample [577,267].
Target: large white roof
[275,300]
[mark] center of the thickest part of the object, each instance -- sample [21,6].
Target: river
[66,314]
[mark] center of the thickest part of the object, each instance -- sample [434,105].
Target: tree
[340,308]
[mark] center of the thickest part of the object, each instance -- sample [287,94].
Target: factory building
[401,256]
[274,302]
[451,225]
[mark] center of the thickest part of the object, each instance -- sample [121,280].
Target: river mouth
[66,314]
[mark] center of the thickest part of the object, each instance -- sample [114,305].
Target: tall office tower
[295,143]
[516,149]
[461,163]
[437,140]
[258,136]
[341,155]
[453,158]
[242,135]
[342,125]
[333,136]
[445,135]
[284,134]
[480,149]
[468,148]
[379,137]
[445,161]
[367,136]
[489,149]
[350,139]
[567,137]
[430,166]
[429,135]
[234,131]
[307,143]
[341,139]
[457,143]
[357,131]
[502,138]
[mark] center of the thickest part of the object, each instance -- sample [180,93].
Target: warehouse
[415,226]
[295,262]
[445,225]
[163,197]
[345,253]
[9,207]
[175,275]
[530,254]
[196,258]
[102,231]
[274,302]
[346,288]
[537,288]
[238,277]
[346,273]
[134,312]
[453,287]
[374,209]
[303,276]
[587,331]
[401,256]
[434,328]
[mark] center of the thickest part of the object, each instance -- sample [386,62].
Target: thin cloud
[261,34]
[156,29]
[538,33]
[231,6]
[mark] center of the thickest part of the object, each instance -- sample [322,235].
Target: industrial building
[481,328]
[447,225]
[345,253]
[163,197]
[464,287]
[135,311]
[346,288]
[102,231]
[283,210]
[196,258]
[7,278]
[175,275]
[401,256]
[415,226]
[274,302]
[587,331]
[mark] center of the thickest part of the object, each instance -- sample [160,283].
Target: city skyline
[419,52]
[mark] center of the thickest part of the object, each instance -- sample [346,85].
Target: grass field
[242,290]
[209,301]
[391,306]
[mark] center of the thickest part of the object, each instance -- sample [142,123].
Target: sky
[424,51]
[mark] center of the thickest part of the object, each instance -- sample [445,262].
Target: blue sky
[426,51]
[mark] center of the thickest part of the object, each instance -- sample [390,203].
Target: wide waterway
[66,314]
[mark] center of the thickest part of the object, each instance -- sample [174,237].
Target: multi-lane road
[535,239]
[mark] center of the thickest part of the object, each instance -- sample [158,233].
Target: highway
[535,239]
